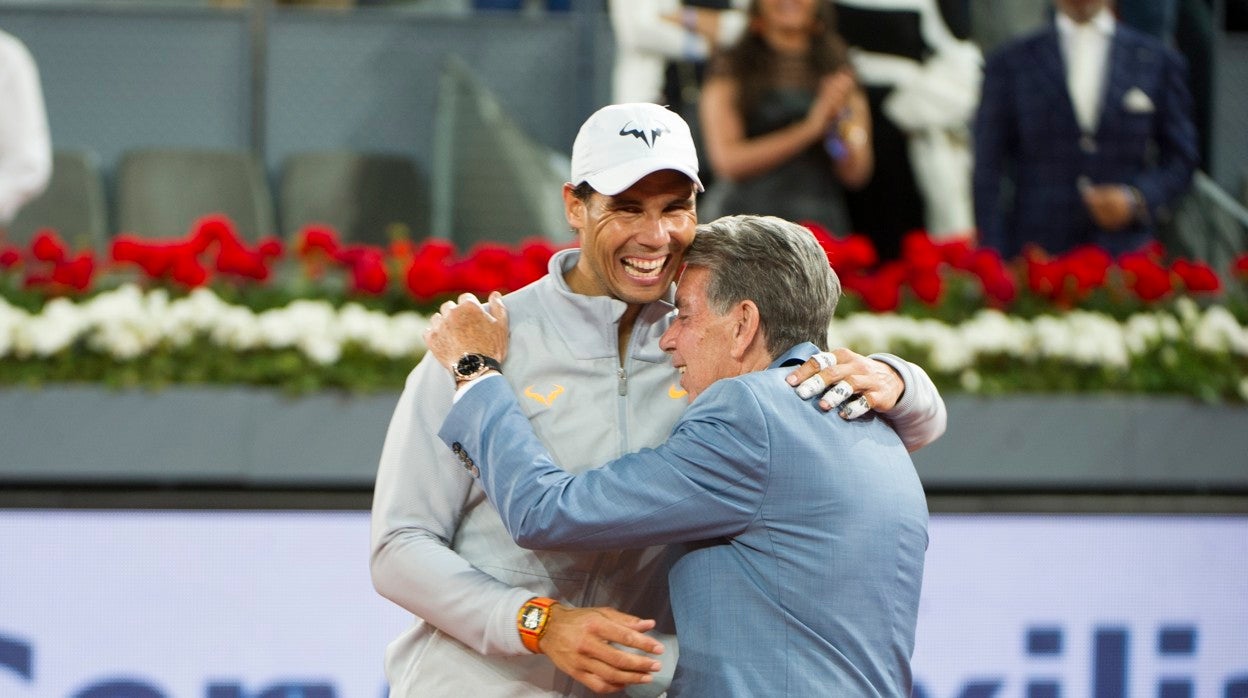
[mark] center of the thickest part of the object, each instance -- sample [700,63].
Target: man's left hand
[466,326]
[1111,206]
[854,383]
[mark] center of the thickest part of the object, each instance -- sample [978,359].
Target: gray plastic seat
[162,192]
[73,204]
[365,197]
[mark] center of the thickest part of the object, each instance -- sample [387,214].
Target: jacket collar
[580,320]
[798,354]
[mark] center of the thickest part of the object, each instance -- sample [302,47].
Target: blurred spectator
[661,48]
[785,124]
[1091,122]
[25,146]
[922,82]
[1187,25]
[652,36]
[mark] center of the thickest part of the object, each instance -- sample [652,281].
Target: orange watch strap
[531,621]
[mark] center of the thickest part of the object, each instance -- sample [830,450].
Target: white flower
[236,328]
[121,323]
[1084,338]
[1218,331]
[994,332]
[51,331]
[11,318]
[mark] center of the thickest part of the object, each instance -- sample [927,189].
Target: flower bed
[211,308]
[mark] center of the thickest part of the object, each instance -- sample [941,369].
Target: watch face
[468,365]
[532,618]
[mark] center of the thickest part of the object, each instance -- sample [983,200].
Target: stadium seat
[162,192]
[365,197]
[73,204]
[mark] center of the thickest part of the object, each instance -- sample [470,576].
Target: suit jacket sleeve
[706,481]
[1175,135]
[994,122]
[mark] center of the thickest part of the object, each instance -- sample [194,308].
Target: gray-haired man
[585,358]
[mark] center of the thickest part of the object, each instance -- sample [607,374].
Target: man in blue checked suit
[805,539]
[1091,122]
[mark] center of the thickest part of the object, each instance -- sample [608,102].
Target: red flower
[927,285]
[9,257]
[1197,276]
[1241,266]
[958,253]
[47,246]
[316,238]
[881,291]
[987,265]
[234,258]
[1088,266]
[530,263]
[75,274]
[212,228]
[858,252]
[1044,277]
[270,248]
[852,253]
[919,250]
[1148,279]
[432,272]
[157,259]
[368,268]
[186,270]
[486,269]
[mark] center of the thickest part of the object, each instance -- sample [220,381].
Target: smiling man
[806,543]
[585,357]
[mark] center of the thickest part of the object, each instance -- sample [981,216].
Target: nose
[655,231]
[668,341]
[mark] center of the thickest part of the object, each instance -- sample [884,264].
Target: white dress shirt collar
[1085,50]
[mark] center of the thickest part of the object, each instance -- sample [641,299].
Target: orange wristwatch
[531,621]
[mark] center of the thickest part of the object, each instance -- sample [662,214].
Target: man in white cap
[584,354]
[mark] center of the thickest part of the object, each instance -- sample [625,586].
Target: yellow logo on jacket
[546,399]
[675,392]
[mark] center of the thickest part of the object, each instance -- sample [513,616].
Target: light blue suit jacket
[806,534]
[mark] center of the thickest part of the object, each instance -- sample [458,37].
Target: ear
[573,208]
[747,329]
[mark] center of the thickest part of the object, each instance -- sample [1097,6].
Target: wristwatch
[472,365]
[531,621]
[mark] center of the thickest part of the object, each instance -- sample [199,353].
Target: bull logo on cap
[647,135]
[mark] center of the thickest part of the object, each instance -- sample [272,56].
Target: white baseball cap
[621,143]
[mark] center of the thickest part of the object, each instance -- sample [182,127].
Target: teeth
[645,267]
[681,369]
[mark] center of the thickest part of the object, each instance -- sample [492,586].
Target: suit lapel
[1050,63]
[1117,82]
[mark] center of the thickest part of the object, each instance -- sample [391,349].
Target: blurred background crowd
[1007,123]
